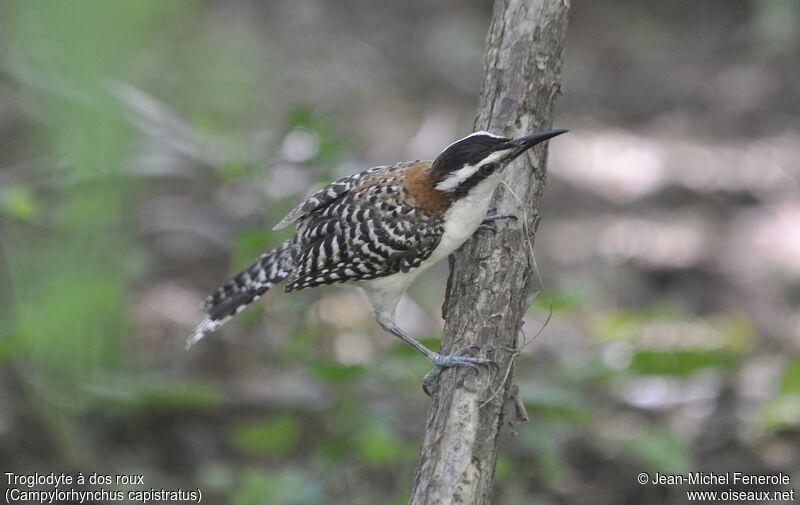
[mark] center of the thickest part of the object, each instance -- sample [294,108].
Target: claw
[487,227]
[465,350]
[490,218]
[455,359]
[431,380]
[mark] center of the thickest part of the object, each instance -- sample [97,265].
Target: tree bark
[488,288]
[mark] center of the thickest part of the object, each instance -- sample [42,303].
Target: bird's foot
[492,217]
[457,358]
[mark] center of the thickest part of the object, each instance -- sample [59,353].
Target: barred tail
[243,289]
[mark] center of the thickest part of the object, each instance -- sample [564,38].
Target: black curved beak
[528,141]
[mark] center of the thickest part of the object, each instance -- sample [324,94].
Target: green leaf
[790,382]
[561,301]
[504,468]
[334,449]
[272,437]
[70,323]
[9,348]
[252,315]
[378,447]
[679,363]
[191,397]
[550,462]
[126,393]
[232,170]
[331,144]
[336,373]
[288,487]
[250,244]
[555,402]
[253,488]
[18,202]
[783,411]
[661,452]
[738,332]
[617,325]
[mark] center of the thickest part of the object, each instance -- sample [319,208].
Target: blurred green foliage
[550,463]
[561,301]
[69,336]
[783,410]
[557,403]
[137,393]
[337,373]
[378,447]
[790,381]
[250,244]
[679,363]
[71,281]
[331,144]
[661,452]
[275,437]
[19,202]
[288,487]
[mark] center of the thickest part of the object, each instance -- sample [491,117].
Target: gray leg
[439,360]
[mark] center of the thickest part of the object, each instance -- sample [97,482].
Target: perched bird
[379,230]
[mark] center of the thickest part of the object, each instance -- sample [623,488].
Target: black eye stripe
[488,169]
[469,183]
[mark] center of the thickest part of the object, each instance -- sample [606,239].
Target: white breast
[461,220]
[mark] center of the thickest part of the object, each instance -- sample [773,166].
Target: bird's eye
[488,169]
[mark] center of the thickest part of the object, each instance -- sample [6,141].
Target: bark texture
[488,291]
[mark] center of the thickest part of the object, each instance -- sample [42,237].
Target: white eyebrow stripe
[454,180]
[474,134]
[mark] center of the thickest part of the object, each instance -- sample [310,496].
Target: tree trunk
[488,289]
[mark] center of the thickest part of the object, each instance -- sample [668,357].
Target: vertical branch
[488,289]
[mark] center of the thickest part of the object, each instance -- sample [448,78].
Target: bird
[379,230]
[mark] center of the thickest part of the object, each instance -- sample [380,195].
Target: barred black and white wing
[326,196]
[354,241]
[361,227]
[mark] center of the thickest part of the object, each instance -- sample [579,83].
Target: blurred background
[147,148]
